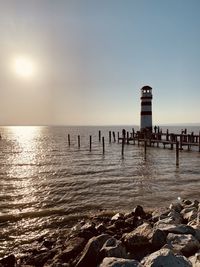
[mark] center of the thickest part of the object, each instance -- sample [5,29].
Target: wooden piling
[133,136]
[167,135]
[90,143]
[109,136]
[177,153]
[181,141]
[127,138]
[103,145]
[99,136]
[69,139]
[123,141]
[199,141]
[114,139]
[79,141]
[118,137]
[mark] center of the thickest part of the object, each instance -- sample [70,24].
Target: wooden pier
[165,139]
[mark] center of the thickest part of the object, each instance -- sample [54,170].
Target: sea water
[47,185]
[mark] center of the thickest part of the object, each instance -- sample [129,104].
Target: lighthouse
[146,111]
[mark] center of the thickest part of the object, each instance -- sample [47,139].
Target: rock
[186,244]
[88,230]
[138,238]
[144,236]
[8,261]
[117,217]
[186,202]
[91,251]
[117,262]
[175,216]
[48,243]
[165,257]
[177,229]
[40,259]
[139,212]
[195,260]
[190,215]
[74,246]
[195,204]
[176,207]
[197,234]
[158,239]
[101,228]
[113,248]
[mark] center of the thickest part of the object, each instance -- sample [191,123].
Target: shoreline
[142,237]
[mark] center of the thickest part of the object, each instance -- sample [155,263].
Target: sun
[24,66]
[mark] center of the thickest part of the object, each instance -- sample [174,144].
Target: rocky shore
[162,237]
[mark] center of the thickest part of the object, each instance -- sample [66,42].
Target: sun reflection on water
[23,170]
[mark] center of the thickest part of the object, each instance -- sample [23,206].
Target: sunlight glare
[24,66]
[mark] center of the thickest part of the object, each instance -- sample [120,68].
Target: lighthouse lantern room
[146,110]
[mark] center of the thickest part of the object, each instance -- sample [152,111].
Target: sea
[47,186]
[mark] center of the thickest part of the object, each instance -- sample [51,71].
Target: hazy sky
[88,60]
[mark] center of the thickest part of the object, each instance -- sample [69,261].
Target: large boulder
[117,262]
[73,247]
[176,229]
[185,244]
[113,248]
[90,255]
[165,257]
[138,238]
[144,236]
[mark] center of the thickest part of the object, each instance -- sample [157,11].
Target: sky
[83,62]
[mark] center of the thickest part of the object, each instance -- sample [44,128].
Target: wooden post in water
[79,141]
[99,136]
[181,141]
[103,144]
[133,136]
[177,153]
[114,139]
[90,143]
[127,138]
[123,141]
[167,135]
[69,139]
[118,137]
[109,136]
[199,141]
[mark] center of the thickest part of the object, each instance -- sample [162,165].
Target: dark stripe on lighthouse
[146,103]
[146,97]
[146,113]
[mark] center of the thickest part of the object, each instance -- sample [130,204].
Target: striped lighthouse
[146,111]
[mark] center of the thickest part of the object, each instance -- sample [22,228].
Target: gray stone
[91,251]
[138,238]
[176,216]
[144,236]
[113,248]
[177,229]
[176,207]
[186,244]
[165,257]
[117,262]
[74,247]
[158,239]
